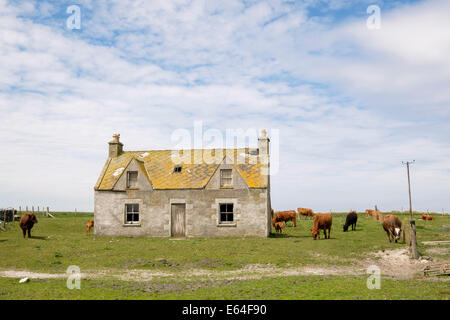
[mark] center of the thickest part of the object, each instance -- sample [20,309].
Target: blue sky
[349,103]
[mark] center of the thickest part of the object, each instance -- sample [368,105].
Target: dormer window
[132,179]
[177,169]
[226,178]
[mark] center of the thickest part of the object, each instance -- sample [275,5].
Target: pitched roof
[159,167]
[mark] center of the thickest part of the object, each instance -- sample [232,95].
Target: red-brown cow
[89,225]
[305,212]
[285,216]
[427,217]
[279,227]
[369,213]
[393,227]
[323,222]
[27,222]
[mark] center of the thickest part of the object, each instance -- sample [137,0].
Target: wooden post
[32,209]
[47,212]
[414,251]
[403,231]
[26,210]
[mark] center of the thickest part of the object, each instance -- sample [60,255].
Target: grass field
[61,242]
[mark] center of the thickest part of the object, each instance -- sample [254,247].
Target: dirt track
[394,264]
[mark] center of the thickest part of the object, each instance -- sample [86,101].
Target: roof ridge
[243,148]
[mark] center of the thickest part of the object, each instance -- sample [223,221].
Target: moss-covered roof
[159,168]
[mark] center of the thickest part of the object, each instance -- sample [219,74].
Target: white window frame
[222,185]
[125,222]
[128,179]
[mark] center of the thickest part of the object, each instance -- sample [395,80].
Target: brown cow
[279,227]
[285,216]
[427,217]
[393,227]
[27,222]
[89,225]
[323,222]
[371,213]
[305,212]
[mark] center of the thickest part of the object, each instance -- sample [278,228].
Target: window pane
[225,177]
[226,173]
[230,217]
[135,217]
[129,217]
[230,207]
[132,178]
[223,217]
[129,208]
[223,208]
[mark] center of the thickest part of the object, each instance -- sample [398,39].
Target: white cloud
[167,64]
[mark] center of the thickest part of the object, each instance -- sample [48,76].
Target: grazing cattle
[351,220]
[371,213]
[323,222]
[305,212]
[393,227]
[427,217]
[375,214]
[279,227]
[285,216]
[89,225]
[27,222]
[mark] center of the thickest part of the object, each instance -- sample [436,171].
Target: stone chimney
[115,146]
[263,143]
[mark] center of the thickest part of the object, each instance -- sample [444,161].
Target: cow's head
[397,233]
[315,234]
[33,218]
[345,227]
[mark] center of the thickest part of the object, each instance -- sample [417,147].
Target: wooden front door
[178,219]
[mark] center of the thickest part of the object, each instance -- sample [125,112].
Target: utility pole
[413,241]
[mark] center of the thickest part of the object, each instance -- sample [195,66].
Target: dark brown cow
[285,216]
[27,222]
[306,212]
[323,222]
[393,227]
[89,225]
[351,220]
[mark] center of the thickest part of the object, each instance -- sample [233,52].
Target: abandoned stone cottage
[198,192]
